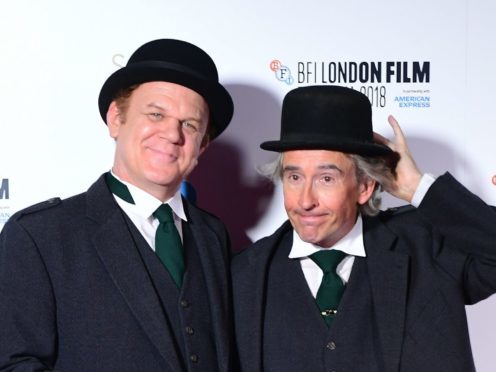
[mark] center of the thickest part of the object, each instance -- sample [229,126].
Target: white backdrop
[56,54]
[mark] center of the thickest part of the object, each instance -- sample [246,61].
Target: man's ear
[366,189]
[204,144]
[114,120]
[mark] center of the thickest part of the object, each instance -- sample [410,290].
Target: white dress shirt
[141,213]
[351,244]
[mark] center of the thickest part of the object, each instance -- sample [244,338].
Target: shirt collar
[145,204]
[351,243]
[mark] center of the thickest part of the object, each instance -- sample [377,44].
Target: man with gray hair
[342,286]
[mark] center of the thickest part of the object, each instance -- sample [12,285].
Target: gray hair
[380,169]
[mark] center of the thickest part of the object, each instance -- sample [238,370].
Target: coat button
[184,303]
[189,330]
[193,358]
[331,345]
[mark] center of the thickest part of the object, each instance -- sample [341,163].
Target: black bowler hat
[327,117]
[173,61]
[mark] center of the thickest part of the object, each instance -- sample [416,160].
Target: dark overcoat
[424,265]
[75,294]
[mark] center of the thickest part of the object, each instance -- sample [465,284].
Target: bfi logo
[283,73]
[4,188]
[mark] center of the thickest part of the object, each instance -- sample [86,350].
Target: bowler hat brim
[332,144]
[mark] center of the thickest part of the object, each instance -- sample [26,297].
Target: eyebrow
[292,168]
[155,106]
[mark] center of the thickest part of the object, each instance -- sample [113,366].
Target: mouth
[163,154]
[310,218]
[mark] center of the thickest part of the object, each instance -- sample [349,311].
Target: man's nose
[171,130]
[308,197]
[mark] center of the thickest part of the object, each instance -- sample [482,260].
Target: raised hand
[407,173]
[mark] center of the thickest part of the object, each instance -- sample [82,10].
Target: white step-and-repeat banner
[429,63]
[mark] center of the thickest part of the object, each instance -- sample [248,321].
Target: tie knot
[163,214]
[328,260]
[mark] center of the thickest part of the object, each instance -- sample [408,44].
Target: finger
[398,133]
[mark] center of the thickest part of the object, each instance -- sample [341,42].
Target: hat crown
[178,52]
[328,111]
[327,117]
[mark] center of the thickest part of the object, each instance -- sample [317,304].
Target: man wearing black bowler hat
[342,286]
[128,276]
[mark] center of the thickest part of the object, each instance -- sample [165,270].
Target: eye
[190,126]
[292,178]
[330,179]
[155,116]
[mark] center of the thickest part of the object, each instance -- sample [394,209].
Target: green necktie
[331,289]
[168,245]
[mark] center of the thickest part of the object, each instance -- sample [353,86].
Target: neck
[160,192]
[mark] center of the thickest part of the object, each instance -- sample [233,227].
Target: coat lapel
[388,272]
[116,248]
[214,257]
[249,296]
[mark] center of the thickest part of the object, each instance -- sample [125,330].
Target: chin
[160,178]
[309,238]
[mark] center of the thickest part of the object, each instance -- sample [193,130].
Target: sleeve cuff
[425,183]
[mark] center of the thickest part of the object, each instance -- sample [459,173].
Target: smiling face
[322,194]
[158,137]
